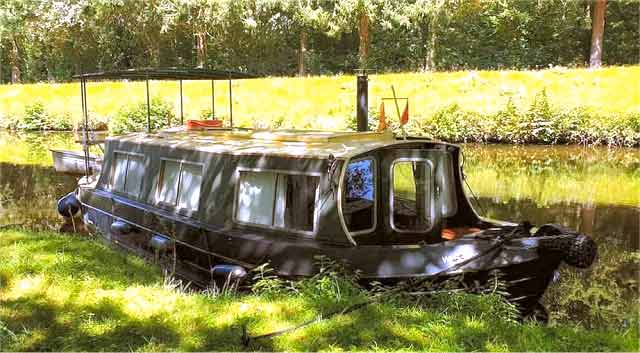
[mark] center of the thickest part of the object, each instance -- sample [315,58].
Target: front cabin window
[358,201]
[277,199]
[128,171]
[180,185]
[411,182]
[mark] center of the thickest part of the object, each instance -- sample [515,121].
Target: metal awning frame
[146,74]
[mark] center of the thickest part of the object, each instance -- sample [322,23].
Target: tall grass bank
[554,106]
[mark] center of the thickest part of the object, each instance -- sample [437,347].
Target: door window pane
[135,172]
[190,186]
[169,182]
[411,196]
[119,171]
[358,204]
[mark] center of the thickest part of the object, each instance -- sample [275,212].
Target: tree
[423,16]
[597,32]
[200,13]
[14,15]
[308,16]
[365,38]
[14,59]
[359,14]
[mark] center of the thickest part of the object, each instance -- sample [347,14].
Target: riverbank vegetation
[71,293]
[549,106]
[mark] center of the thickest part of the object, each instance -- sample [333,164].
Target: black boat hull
[524,269]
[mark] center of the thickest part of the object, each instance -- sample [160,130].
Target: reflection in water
[28,194]
[591,189]
[555,174]
[33,148]
[614,224]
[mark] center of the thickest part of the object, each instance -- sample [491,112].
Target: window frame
[392,191]
[343,183]
[316,208]
[174,207]
[112,187]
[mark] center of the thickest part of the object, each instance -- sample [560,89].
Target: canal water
[594,190]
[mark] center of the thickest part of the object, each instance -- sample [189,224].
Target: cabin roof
[171,73]
[287,143]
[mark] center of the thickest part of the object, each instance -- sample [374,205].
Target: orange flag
[383,119]
[405,115]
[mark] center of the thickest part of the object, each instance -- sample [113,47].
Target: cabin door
[410,196]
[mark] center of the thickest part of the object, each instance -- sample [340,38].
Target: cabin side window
[411,182]
[128,171]
[358,198]
[278,200]
[180,184]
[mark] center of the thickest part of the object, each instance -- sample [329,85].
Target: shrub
[134,118]
[541,123]
[36,117]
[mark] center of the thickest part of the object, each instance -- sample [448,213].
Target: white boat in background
[73,162]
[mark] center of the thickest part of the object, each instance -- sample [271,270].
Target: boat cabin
[332,187]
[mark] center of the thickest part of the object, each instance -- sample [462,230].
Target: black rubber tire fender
[576,249]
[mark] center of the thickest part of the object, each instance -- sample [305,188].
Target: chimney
[362,103]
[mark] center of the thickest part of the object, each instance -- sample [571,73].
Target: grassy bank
[549,106]
[63,292]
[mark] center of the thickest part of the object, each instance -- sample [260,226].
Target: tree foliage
[53,39]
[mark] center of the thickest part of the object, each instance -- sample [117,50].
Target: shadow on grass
[41,325]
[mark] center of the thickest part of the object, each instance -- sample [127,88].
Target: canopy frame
[164,74]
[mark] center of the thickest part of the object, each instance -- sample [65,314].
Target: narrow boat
[219,201]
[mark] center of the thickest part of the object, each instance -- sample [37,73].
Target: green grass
[70,293]
[450,105]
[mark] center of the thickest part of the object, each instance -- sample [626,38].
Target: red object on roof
[203,124]
[405,115]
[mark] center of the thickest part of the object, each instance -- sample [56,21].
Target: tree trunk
[47,62]
[201,50]
[14,61]
[597,33]
[154,51]
[301,53]
[430,58]
[365,39]
[50,77]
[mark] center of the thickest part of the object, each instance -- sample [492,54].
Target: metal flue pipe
[362,102]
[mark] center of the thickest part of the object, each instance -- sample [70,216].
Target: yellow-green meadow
[328,102]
